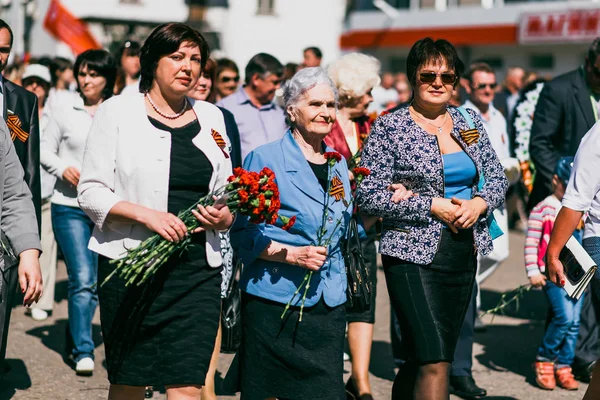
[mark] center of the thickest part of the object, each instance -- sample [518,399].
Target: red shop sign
[560,26]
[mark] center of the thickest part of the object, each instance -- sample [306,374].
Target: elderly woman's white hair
[303,81]
[354,75]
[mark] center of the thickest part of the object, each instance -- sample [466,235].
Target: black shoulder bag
[359,282]
[231,323]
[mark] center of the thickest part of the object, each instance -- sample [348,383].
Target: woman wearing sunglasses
[430,241]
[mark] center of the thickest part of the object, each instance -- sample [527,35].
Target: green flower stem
[287,306]
[507,298]
[309,274]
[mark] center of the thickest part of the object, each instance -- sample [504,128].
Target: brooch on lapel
[470,136]
[337,189]
[220,141]
[14,126]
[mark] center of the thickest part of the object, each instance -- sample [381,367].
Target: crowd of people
[101,153]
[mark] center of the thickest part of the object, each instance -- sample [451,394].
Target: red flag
[66,27]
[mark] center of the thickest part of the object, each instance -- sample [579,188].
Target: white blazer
[126,158]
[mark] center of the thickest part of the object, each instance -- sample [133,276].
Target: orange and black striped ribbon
[337,189]
[14,125]
[220,141]
[470,136]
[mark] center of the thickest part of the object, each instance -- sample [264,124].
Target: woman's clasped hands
[456,213]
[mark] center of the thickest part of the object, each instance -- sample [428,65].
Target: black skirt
[288,359]
[162,332]
[431,300]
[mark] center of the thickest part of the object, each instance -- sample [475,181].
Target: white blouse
[127,159]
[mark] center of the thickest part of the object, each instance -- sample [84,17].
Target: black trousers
[7,297]
[463,354]
[588,348]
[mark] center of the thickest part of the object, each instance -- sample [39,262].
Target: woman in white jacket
[150,155]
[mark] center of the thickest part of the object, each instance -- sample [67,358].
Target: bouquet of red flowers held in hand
[254,194]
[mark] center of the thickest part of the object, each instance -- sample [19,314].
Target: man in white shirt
[481,89]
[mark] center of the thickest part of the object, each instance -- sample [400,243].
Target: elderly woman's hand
[445,211]
[309,257]
[468,212]
[400,192]
[217,217]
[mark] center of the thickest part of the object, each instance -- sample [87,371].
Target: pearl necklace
[167,116]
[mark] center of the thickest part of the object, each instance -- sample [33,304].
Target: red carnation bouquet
[254,194]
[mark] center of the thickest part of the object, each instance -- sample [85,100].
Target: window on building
[367,5]
[541,61]
[266,7]
[493,61]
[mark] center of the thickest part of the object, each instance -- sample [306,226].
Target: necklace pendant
[440,130]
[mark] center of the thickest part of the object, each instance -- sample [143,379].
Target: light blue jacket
[301,195]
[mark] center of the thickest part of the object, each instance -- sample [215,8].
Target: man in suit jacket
[20,111]
[563,115]
[568,107]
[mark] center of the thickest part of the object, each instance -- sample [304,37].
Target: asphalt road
[502,356]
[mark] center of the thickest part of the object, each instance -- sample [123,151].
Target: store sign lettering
[567,26]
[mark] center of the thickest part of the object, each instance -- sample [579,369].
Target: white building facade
[282,28]
[547,37]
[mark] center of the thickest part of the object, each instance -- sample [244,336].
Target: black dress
[163,332]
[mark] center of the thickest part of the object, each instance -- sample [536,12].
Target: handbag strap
[466,116]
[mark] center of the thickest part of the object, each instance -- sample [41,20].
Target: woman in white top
[582,195]
[149,155]
[61,154]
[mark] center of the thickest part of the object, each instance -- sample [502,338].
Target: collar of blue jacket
[301,195]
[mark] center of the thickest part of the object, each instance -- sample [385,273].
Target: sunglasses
[430,77]
[484,85]
[227,79]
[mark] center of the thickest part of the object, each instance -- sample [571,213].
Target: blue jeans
[561,334]
[73,230]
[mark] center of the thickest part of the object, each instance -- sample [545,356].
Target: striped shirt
[539,228]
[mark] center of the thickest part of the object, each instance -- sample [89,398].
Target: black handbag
[231,312]
[359,281]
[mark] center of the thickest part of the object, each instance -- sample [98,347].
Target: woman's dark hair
[163,41]
[103,64]
[426,51]
[58,64]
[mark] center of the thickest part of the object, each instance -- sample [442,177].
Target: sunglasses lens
[493,86]
[227,79]
[427,77]
[448,79]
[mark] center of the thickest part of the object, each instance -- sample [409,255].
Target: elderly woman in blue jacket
[429,242]
[281,356]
